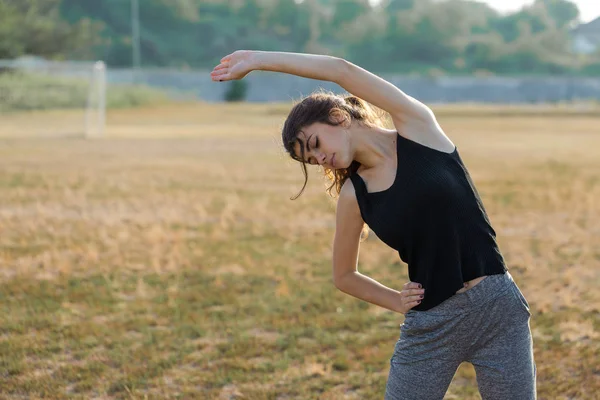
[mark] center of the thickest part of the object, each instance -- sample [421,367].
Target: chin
[339,164]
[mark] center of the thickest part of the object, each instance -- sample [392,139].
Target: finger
[226,58]
[221,66]
[219,72]
[411,285]
[224,71]
[412,304]
[221,77]
[412,292]
[411,299]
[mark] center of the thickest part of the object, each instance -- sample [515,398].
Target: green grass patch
[26,91]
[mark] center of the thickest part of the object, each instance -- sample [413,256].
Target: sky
[589,9]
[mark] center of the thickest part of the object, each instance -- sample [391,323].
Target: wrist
[398,306]
[257,59]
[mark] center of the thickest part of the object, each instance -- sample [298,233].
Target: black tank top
[433,216]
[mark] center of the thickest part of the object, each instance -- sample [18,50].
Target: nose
[322,158]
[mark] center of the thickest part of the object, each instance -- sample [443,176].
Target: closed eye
[316,146]
[311,160]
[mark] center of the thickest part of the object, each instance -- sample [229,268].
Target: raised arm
[381,93]
[238,64]
[349,76]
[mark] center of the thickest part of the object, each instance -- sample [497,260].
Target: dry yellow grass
[166,259]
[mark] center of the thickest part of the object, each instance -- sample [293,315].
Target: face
[325,145]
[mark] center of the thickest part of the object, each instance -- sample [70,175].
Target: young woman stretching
[411,187]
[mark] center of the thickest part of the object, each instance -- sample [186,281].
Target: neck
[372,146]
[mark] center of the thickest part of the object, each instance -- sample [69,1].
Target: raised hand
[234,66]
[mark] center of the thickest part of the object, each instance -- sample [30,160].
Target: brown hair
[318,107]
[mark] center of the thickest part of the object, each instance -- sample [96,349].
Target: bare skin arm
[346,277]
[411,118]
[351,77]
[239,63]
[349,222]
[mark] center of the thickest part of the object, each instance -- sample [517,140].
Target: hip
[485,289]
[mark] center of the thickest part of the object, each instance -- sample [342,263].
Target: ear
[340,117]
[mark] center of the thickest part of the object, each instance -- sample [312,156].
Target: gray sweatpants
[487,325]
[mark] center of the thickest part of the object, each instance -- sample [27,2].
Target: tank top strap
[360,188]
[359,185]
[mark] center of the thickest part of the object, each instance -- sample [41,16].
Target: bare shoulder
[423,129]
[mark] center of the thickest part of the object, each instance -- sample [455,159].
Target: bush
[592,69]
[237,91]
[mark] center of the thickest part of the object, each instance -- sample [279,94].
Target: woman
[412,188]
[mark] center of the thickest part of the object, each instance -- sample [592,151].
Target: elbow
[340,281]
[337,282]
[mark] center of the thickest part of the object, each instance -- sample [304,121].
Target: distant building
[586,37]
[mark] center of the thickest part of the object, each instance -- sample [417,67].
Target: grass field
[167,261]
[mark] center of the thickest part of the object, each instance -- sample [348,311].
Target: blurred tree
[398,5]
[165,32]
[347,11]
[483,51]
[366,44]
[289,23]
[420,36]
[35,27]
[563,12]
[455,36]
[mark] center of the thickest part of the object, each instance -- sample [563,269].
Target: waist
[470,284]
[488,288]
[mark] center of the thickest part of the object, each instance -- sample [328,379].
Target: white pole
[95,113]
[100,69]
[135,33]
